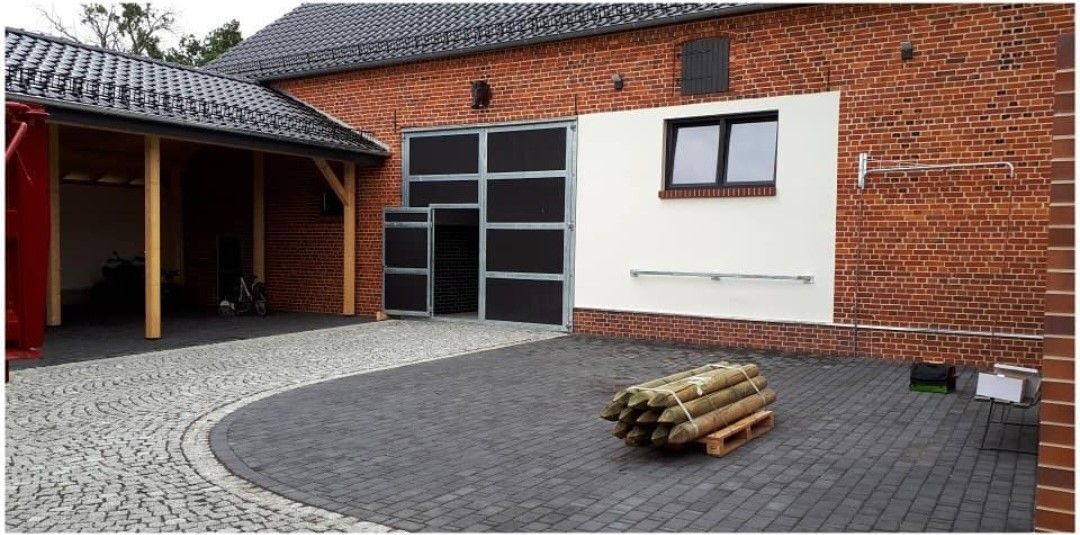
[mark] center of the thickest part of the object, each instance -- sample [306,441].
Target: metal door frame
[568,226]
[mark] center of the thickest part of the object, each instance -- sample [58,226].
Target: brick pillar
[1055,482]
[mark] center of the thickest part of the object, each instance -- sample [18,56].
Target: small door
[407,261]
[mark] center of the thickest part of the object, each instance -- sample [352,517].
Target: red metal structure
[27,254]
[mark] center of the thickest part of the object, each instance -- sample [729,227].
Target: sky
[192,16]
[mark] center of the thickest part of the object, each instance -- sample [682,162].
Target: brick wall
[933,246]
[1055,500]
[303,247]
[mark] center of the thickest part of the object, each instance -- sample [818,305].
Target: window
[733,150]
[330,205]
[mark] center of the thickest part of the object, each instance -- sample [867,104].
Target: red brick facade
[958,250]
[1055,494]
[303,247]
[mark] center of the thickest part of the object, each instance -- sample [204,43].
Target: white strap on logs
[743,370]
[677,400]
[697,381]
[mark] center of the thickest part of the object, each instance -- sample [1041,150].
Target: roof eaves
[362,133]
[145,118]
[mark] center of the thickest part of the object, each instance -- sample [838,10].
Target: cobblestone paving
[121,444]
[509,440]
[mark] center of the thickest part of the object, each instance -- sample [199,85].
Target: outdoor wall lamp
[907,50]
[481,94]
[617,81]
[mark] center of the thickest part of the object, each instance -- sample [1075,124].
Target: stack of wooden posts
[690,405]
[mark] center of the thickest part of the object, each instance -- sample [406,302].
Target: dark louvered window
[705,66]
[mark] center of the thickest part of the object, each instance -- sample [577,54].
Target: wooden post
[258,211]
[152,236]
[349,250]
[52,302]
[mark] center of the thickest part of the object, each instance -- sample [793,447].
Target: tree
[137,29]
[192,51]
[125,27]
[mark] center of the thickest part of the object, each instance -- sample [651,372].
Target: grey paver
[853,448]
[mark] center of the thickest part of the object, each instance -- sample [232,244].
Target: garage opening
[455,259]
[492,206]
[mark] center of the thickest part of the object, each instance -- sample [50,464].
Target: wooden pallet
[722,442]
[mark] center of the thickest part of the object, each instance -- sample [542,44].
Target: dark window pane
[695,155]
[406,247]
[751,154]
[527,301]
[422,194]
[405,292]
[532,200]
[527,150]
[526,251]
[444,155]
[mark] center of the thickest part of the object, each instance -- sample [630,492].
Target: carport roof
[90,85]
[329,37]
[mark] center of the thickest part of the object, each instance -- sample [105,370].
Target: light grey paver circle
[121,444]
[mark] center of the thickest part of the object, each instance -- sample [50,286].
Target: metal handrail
[865,170]
[714,275]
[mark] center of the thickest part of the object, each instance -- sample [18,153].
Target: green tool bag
[932,377]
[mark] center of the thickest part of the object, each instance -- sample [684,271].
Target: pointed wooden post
[152,235]
[258,211]
[52,302]
[348,307]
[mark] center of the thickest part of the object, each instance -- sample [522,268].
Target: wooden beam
[258,211]
[52,302]
[152,236]
[348,307]
[331,179]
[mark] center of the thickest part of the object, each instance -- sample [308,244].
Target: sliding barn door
[526,222]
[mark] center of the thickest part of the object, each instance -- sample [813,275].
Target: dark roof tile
[62,71]
[318,38]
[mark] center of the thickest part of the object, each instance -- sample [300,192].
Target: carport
[198,148]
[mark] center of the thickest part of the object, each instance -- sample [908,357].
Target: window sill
[712,192]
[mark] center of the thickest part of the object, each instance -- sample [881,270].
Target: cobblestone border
[123,444]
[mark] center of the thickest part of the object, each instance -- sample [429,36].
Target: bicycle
[248,299]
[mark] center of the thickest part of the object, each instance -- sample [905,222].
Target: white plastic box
[1000,387]
[1009,383]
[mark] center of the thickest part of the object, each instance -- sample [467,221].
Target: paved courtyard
[509,440]
[121,444]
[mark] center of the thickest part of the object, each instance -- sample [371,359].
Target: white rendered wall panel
[623,224]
